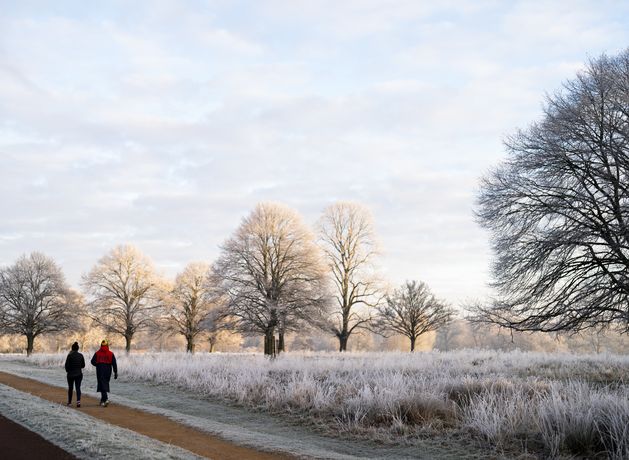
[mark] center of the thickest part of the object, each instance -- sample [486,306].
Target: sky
[162,123]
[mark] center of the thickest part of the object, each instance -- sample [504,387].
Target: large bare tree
[412,310]
[191,305]
[558,209]
[124,293]
[35,299]
[270,275]
[347,237]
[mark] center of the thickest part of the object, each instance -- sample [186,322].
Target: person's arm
[67,363]
[82,361]
[114,365]
[93,361]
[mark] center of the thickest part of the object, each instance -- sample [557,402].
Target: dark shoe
[102,403]
[78,404]
[106,403]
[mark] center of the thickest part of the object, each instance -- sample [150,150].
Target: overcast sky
[162,123]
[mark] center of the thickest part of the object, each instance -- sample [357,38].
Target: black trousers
[74,382]
[103,396]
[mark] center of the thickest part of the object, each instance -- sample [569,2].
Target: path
[152,425]
[18,443]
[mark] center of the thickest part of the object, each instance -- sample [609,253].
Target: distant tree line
[557,211]
[274,275]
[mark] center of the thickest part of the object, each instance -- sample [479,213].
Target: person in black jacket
[74,365]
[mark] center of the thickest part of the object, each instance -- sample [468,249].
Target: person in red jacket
[105,361]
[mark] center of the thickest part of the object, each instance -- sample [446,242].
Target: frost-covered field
[550,404]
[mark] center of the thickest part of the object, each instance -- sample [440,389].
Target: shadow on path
[19,443]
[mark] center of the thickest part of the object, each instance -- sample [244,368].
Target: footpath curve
[151,425]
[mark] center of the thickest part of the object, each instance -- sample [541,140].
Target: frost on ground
[551,404]
[80,434]
[241,425]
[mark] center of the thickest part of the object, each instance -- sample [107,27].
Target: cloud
[162,125]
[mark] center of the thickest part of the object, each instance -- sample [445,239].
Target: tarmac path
[18,443]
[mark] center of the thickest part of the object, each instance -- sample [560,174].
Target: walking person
[75,362]
[105,362]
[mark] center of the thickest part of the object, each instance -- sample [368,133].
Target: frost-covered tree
[412,310]
[35,299]
[347,237]
[124,293]
[270,276]
[449,336]
[191,308]
[558,210]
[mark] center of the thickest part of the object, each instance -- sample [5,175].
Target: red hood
[104,356]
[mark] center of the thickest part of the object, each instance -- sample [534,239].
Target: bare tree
[558,210]
[124,293]
[270,275]
[596,340]
[191,306]
[212,340]
[446,336]
[412,310]
[35,299]
[347,237]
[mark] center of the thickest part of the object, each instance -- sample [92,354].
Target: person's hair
[104,342]
[75,346]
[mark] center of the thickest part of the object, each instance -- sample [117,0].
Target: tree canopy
[412,310]
[270,275]
[36,299]
[347,237]
[558,209]
[190,302]
[124,293]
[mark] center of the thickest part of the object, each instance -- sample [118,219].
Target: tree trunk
[30,343]
[127,339]
[269,342]
[189,345]
[345,332]
[343,341]
[413,338]
[280,343]
[211,346]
